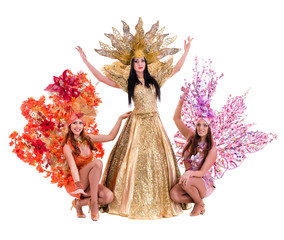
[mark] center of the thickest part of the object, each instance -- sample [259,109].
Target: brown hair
[191,146]
[83,135]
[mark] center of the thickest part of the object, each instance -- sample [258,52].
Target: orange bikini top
[80,160]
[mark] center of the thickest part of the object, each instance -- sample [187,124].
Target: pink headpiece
[206,119]
[199,93]
[230,132]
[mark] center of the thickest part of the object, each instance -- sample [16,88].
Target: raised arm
[111,136]
[94,71]
[185,131]
[180,63]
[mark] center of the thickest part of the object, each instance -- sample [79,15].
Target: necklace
[201,146]
[80,141]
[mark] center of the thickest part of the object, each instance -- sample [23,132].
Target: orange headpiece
[75,116]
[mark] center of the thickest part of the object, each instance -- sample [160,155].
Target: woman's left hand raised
[81,52]
[187,43]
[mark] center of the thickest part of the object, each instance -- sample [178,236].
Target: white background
[245,41]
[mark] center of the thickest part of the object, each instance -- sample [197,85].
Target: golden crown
[152,45]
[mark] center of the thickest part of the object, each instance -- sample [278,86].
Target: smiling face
[139,65]
[77,126]
[202,128]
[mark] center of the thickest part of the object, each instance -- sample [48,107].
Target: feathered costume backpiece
[231,134]
[40,143]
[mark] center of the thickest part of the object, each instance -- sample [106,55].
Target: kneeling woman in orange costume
[85,169]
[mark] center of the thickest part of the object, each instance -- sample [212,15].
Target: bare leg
[195,188]
[85,201]
[179,195]
[105,195]
[90,176]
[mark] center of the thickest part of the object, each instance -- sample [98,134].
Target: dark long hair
[70,135]
[193,142]
[133,81]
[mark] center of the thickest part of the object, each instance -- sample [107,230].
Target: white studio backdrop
[244,39]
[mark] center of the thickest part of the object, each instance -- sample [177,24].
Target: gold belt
[146,114]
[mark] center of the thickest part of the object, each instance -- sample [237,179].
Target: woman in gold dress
[142,167]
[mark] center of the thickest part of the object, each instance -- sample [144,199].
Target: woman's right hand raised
[82,54]
[94,71]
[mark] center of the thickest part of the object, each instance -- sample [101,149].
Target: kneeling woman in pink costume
[205,159]
[85,169]
[199,155]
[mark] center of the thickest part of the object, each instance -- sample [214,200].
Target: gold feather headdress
[153,46]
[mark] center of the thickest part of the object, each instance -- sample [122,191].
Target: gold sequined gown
[142,167]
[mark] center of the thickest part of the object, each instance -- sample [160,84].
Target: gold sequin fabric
[142,166]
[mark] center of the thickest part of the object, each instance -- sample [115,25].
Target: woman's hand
[187,44]
[111,136]
[180,62]
[191,173]
[183,179]
[125,115]
[94,71]
[82,54]
[79,191]
[185,92]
